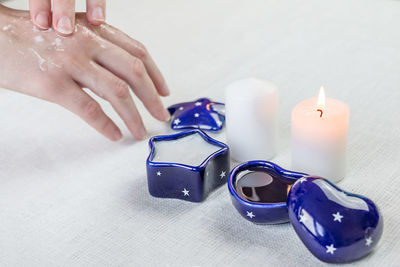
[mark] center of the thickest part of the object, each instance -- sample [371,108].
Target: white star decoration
[158,173]
[219,123]
[301,180]
[181,108]
[177,121]
[250,214]
[330,249]
[196,115]
[198,103]
[185,192]
[368,241]
[223,174]
[337,217]
[303,217]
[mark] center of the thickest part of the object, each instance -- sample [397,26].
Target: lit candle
[319,131]
[251,107]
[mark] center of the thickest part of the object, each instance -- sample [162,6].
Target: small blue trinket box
[187,165]
[201,114]
[336,226]
[259,191]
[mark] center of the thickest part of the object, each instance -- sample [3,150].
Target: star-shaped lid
[192,148]
[201,114]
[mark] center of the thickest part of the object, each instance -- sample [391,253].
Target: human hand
[101,58]
[63,16]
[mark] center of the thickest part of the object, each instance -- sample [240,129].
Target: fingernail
[117,135]
[42,20]
[166,116]
[64,25]
[98,14]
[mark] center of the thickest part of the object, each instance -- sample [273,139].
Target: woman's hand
[63,18]
[101,58]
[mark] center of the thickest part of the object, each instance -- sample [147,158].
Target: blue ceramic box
[335,226]
[187,165]
[202,114]
[262,201]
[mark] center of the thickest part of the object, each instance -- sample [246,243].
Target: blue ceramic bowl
[271,207]
[181,181]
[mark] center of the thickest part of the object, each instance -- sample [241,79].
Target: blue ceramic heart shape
[336,226]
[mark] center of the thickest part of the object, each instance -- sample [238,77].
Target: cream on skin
[60,14]
[55,68]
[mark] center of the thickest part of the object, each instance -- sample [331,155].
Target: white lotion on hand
[190,150]
[251,107]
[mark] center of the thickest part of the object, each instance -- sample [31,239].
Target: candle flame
[321,101]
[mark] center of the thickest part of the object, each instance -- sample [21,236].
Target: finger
[116,91]
[96,11]
[80,103]
[64,16]
[132,70]
[138,50]
[40,13]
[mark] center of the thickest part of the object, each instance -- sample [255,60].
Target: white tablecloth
[70,197]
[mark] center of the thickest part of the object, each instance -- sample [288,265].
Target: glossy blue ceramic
[335,226]
[190,183]
[258,212]
[200,114]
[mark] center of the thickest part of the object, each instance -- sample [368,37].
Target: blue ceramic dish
[191,183]
[201,114]
[336,226]
[268,207]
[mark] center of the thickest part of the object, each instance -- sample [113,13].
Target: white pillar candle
[319,131]
[251,107]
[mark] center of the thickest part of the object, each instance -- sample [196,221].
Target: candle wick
[320,110]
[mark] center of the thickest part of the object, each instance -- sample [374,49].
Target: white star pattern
[158,173]
[368,241]
[196,115]
[303,218]
[219,123]
[337,217]
[177,121]
[250,214]
[198,104]
[223,174]
[181,108]
[330,249]
[185,192]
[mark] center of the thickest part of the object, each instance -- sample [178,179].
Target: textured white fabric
[69,197]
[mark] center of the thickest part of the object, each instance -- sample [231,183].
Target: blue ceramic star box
[187,165]
[335,226]
[201,114]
